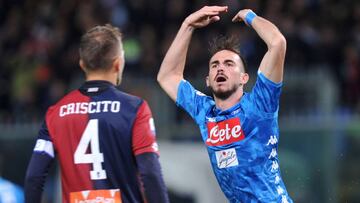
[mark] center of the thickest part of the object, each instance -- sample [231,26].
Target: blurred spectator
[38,41]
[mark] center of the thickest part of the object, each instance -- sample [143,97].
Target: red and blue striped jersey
[96,132]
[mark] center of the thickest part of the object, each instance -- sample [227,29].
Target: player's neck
[101,76]
[229,102]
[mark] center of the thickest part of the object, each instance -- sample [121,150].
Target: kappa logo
[224,132]
[200,93]
[210,119]
[92,196]
[274,166]
[280,190]
[272,141]
[284,199]
[273,153]
[277,179]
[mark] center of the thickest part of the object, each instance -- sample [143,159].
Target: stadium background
[320,104]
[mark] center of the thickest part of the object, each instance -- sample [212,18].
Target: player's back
[92,132]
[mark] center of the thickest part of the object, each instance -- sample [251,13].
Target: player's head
[226,67]
[101,52]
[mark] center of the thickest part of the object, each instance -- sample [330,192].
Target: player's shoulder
[264,80]
[128,99]
[73,95]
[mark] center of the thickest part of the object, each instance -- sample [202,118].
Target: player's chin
[221,88]
[221,92]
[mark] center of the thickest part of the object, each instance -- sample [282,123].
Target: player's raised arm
[172,67]
[272,65]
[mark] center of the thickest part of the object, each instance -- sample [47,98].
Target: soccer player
[104,138]
[239,129]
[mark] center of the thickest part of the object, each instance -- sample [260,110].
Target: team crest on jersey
[103,196]
[226,158]
[224,132]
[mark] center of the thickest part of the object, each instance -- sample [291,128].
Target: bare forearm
[269,33]
[272,64]
[174,61]
[172,67]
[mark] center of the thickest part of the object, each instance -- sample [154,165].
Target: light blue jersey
[10,193]
[241,141]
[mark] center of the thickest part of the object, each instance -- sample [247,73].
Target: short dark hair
[99,46]
[230,43]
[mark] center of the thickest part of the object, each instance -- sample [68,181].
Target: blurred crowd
[39,43]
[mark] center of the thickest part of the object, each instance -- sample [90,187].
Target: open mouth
[220,78]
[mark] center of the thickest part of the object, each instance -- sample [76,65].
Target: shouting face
[226,74]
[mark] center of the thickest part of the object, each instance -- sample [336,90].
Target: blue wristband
[250,17]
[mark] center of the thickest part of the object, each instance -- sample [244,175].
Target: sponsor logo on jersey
[224,132]
[226,158]
[94,196]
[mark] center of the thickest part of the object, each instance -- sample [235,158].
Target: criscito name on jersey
[89,107]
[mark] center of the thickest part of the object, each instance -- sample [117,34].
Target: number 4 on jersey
[91,136]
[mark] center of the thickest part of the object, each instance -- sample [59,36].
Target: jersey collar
[94,87]
[230,110]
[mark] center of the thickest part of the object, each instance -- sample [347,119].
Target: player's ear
[117,64]
[207,81]
[244,78]
[82,65]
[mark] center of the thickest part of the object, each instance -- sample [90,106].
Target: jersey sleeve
[194,102]
[40,162]
[143,133]
[152,178]
[266,94]
[44,144]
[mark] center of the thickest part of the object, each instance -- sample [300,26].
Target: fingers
[240,16]
[218,9]
[206,15]
[214,19]
[213,10]
[209,14]
[236,18]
